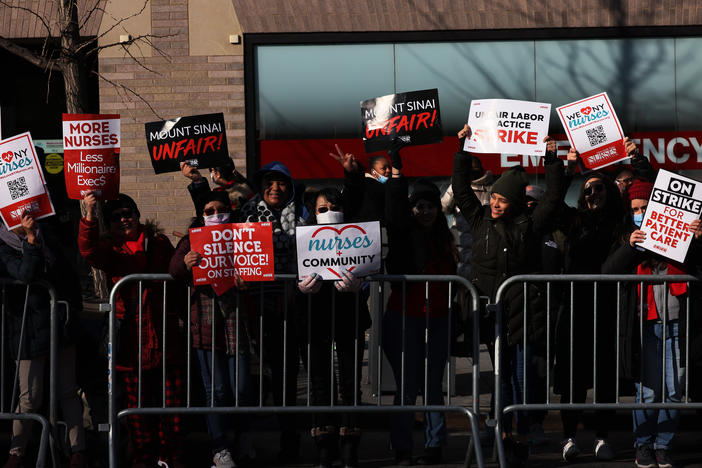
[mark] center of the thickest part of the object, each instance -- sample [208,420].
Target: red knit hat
[640,190]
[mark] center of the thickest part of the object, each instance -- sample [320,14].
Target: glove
[310,284]
[348,282]
[394,152]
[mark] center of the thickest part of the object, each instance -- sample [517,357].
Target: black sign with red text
[414,117]
[196,137]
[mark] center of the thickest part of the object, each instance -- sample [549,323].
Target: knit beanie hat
[425,190]
[535,192]
[512,185]
[640,190]
[123,201]
[216,195]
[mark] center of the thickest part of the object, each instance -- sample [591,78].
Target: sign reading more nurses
[22,184]
[675,202]
[327,249]
[91,155]
[231,250]
[594,130]
[508,126]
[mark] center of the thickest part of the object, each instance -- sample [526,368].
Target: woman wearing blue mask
[217,210]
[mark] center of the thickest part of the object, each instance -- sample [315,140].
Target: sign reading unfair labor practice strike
[231,250]
[327,249]
[414,117]
[91,155]
[594,131]
[675,202]
[508,126]
[22,184]
[199,137]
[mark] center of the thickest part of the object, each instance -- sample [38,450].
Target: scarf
[15,242]
[676,289]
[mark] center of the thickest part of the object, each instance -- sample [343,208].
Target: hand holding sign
[30,227]
[90,202]
[637,237]
[696,228]
[310,284]
[348,282]
[191,259]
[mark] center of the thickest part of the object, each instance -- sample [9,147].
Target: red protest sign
[91,155]
[228,250]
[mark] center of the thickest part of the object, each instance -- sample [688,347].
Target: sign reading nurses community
[508,126]
[594,130]
[327,249]
[231,250]
[22,184]
[91,155]
[675,202]
[413,117]
[197,137]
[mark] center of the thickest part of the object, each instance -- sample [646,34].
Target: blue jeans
[225,374]
[513,386]
[657,427]
[434,422]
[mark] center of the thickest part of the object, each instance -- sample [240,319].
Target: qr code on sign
[18,188]
[596,135]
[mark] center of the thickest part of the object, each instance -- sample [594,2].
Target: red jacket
[151,253]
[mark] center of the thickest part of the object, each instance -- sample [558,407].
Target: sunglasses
[627,181]
[211,211]
[324,209]
[594,188]
[117,216]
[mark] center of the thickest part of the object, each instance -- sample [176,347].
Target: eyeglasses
[626,181]
[594,188]
[324,209]
[211,211]
[117,216]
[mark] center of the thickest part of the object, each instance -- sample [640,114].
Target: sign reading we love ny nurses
[327,249]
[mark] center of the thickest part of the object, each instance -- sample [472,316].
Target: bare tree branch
[121,20]
[28,55]
[31,12]
[142,37]
[91,12]
[129,90]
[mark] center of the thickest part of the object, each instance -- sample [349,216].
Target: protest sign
[328,249]
[675,202]
[594,131]
[228,250]
[414,117]
[197,137]
[508,126]
[91,155]
[22,184]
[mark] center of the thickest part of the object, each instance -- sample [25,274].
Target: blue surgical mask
[638,219]
[381,178]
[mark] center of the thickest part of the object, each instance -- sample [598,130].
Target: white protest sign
[594,131]
[675,202]
[22,184]
[508,126]
[327,249]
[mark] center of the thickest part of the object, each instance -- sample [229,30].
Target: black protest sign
[196,137]
[414,117]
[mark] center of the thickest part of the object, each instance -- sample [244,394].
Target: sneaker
[663,458]
[537,435]
[645,458]
[223,459]
[603,451]
[570,449]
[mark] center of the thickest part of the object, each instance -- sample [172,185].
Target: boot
[349,450]
[327,445]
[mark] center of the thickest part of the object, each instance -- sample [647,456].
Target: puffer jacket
[116,259]
[508,246]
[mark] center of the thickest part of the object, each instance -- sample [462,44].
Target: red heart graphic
[586,110]
[338,231]
[7,157]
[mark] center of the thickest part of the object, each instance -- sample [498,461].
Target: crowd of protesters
[506,227]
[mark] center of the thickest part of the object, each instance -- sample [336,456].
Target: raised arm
[642,166]
[546,210]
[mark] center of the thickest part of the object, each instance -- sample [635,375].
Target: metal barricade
[571,281]
[260,291]
[7,412]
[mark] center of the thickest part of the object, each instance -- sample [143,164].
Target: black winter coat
[508,246]
[364,198]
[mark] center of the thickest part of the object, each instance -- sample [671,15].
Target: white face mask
[217,218]
[330,217]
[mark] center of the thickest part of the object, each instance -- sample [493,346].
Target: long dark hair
[333,196]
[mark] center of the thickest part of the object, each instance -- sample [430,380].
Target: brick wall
[176,85]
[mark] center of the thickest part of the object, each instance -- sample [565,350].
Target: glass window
[688,70]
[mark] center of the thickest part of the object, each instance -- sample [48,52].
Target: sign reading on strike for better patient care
[91,155]
[22,184]
[230,250]
[327,249]
[508,126]
[594,131]
[199,137]
[414,117]
[675,202]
